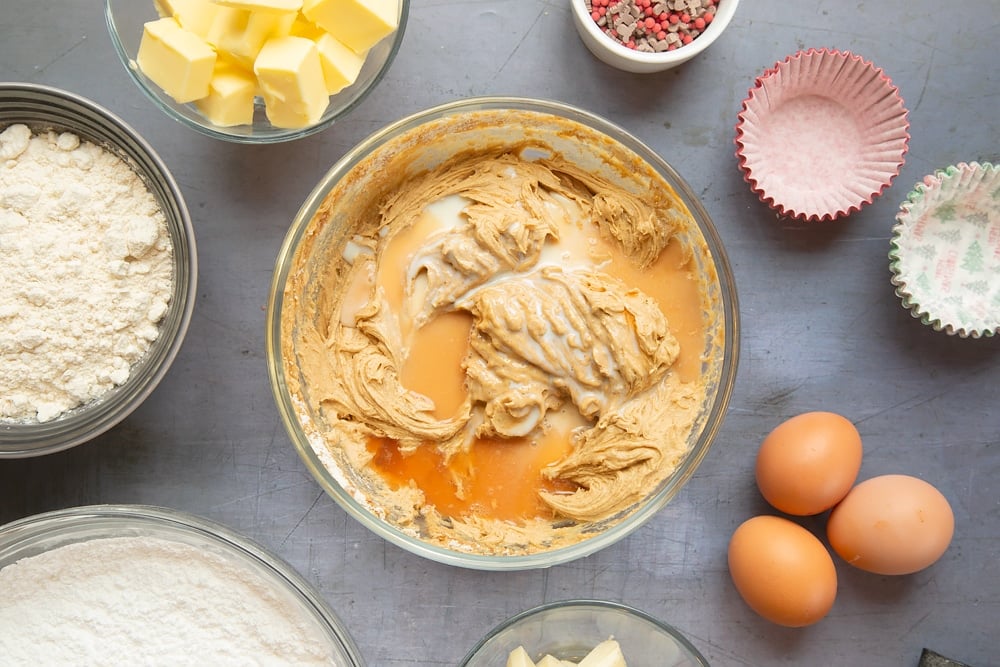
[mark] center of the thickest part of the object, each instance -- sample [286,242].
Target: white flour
[147,601]
[86,272]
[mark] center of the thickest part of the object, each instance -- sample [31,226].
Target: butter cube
[290,75]
[177,60]
[198,16]
[303,27]
[272,6]
[341,65]
[230,96]
[242,33]
[163,8]
[360,24]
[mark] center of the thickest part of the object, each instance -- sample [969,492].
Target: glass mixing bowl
[569,629]
[125,19]
[46,532]
[45,108]
[319,235]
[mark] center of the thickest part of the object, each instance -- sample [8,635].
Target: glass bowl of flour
[133,584]
[99,270]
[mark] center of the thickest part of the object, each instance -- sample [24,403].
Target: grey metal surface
[822,329]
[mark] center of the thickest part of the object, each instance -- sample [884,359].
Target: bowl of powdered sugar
[99,270]
[141,585]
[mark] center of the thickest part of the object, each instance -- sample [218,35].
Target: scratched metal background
[822,329]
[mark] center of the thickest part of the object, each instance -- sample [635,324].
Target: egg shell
[782,571]
[892,524]
[808,463]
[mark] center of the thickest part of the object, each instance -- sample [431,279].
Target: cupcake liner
[945,250]
[821,134]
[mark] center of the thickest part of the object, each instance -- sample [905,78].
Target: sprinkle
[652,25]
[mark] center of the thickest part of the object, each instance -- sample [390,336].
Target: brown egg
[893,524]
[808,463]
[782,571]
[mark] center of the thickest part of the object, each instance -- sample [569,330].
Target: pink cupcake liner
[821,134]
[944,254]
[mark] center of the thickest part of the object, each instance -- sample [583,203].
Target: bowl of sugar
[99,270]
[140,584]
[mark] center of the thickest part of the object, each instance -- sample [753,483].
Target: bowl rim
[93,423]
[677,56]
[641,513]
[28,529]
[587,603]
[276,135]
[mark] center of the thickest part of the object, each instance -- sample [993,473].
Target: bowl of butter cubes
[584,633]
[256,71]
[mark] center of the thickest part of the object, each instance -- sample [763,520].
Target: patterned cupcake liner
[944,252]
[821,134]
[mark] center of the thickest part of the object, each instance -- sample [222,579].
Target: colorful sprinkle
[652,26]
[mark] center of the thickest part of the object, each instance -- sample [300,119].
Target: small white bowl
[611,52]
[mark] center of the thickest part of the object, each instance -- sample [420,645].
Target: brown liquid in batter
[500,479]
